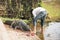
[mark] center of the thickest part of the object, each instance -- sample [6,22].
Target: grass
[52,9]
[5,19]
[12,19]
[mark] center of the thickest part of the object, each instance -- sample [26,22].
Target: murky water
[52,31]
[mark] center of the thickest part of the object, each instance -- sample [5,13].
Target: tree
[20,8]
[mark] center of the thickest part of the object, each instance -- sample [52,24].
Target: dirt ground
[7,33]
[18,34]
[19,31]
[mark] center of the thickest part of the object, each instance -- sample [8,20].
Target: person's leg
[34,24]
[42,23]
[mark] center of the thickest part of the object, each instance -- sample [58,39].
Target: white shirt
[37,10]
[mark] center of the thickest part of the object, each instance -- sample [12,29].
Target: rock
[52,32]
[21,25]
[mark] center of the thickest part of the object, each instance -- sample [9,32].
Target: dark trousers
[41,16]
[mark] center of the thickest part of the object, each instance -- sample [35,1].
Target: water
[52,31]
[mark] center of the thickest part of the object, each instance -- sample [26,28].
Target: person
[39,13]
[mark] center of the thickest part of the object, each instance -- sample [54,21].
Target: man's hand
[48,17]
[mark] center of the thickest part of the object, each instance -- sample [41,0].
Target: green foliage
[53,10]
[9,19]
[21,7]
[5,19]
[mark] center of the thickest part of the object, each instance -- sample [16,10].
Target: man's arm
[48,17]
